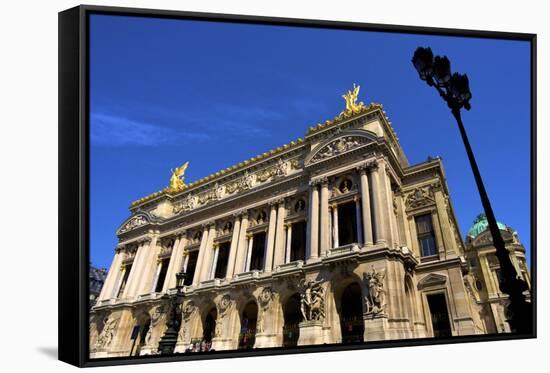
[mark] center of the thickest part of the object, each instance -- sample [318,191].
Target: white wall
[28,182]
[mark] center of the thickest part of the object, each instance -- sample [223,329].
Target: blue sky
[168,91]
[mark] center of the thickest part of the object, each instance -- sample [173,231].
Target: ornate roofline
[354,110]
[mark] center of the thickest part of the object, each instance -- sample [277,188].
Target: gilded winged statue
[351,99]
[177,178]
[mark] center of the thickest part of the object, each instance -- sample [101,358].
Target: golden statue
[176,181]
[351,100]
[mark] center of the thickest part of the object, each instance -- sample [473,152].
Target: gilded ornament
[177,178]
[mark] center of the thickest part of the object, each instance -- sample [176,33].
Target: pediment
[433,279]
[344,142]
[139,219]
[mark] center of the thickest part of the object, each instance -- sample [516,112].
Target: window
[347,224]
[124,280]
[425,234]
[162,275]
[191,265]
[298,241]
[223,259]
[258,252]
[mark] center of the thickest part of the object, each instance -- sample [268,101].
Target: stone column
[445,221]
[185,263]
[150,266]
[112,276]
[270,243]
[324,218]
[380,221]
[312,239]
[365,205]
[393,234]
[207,261]
[216,247]
[200,259]
[387,204]
[175,262]
[139,274]
[242,246]
[335,239]
[135,270]
[288,242]
[250,240]
[234,246]
[359,226]
[279,255]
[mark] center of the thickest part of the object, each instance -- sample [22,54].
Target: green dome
[481,225]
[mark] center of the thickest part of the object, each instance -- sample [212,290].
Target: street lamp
[455,91]
[168,341]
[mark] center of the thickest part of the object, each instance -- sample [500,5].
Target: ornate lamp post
[168,341]
[455,91]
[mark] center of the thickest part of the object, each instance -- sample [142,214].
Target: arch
[140,219]
[330,147]
[411,303]
[139,333]
[209,325]
[351,314]
[292,317]
[247,331]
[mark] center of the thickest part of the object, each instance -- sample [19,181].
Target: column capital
[275,202]
[363,168]
[318,181]
[146,239]
[208,225]
[215,245]
[333,206]
[249,235]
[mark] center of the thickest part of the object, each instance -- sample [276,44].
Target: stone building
[97,279]
[333,238]
[485,271]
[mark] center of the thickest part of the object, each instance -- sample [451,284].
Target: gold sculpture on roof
[177,178]
[352,106]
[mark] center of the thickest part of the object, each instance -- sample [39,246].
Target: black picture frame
[74,180]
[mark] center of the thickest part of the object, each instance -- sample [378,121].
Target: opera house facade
[333,238]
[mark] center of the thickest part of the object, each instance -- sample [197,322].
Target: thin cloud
[112,130]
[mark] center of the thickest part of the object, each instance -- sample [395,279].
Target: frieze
[339,146]
[133,223]
[420,197]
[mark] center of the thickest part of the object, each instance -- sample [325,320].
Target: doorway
[439,314]
[247,334]
[292,317]
[351,317]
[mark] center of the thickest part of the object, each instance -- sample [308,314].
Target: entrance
[347,224]
[440,315]
[351,317]
[139,335]
[247,334]
[209,325]
[293,317]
